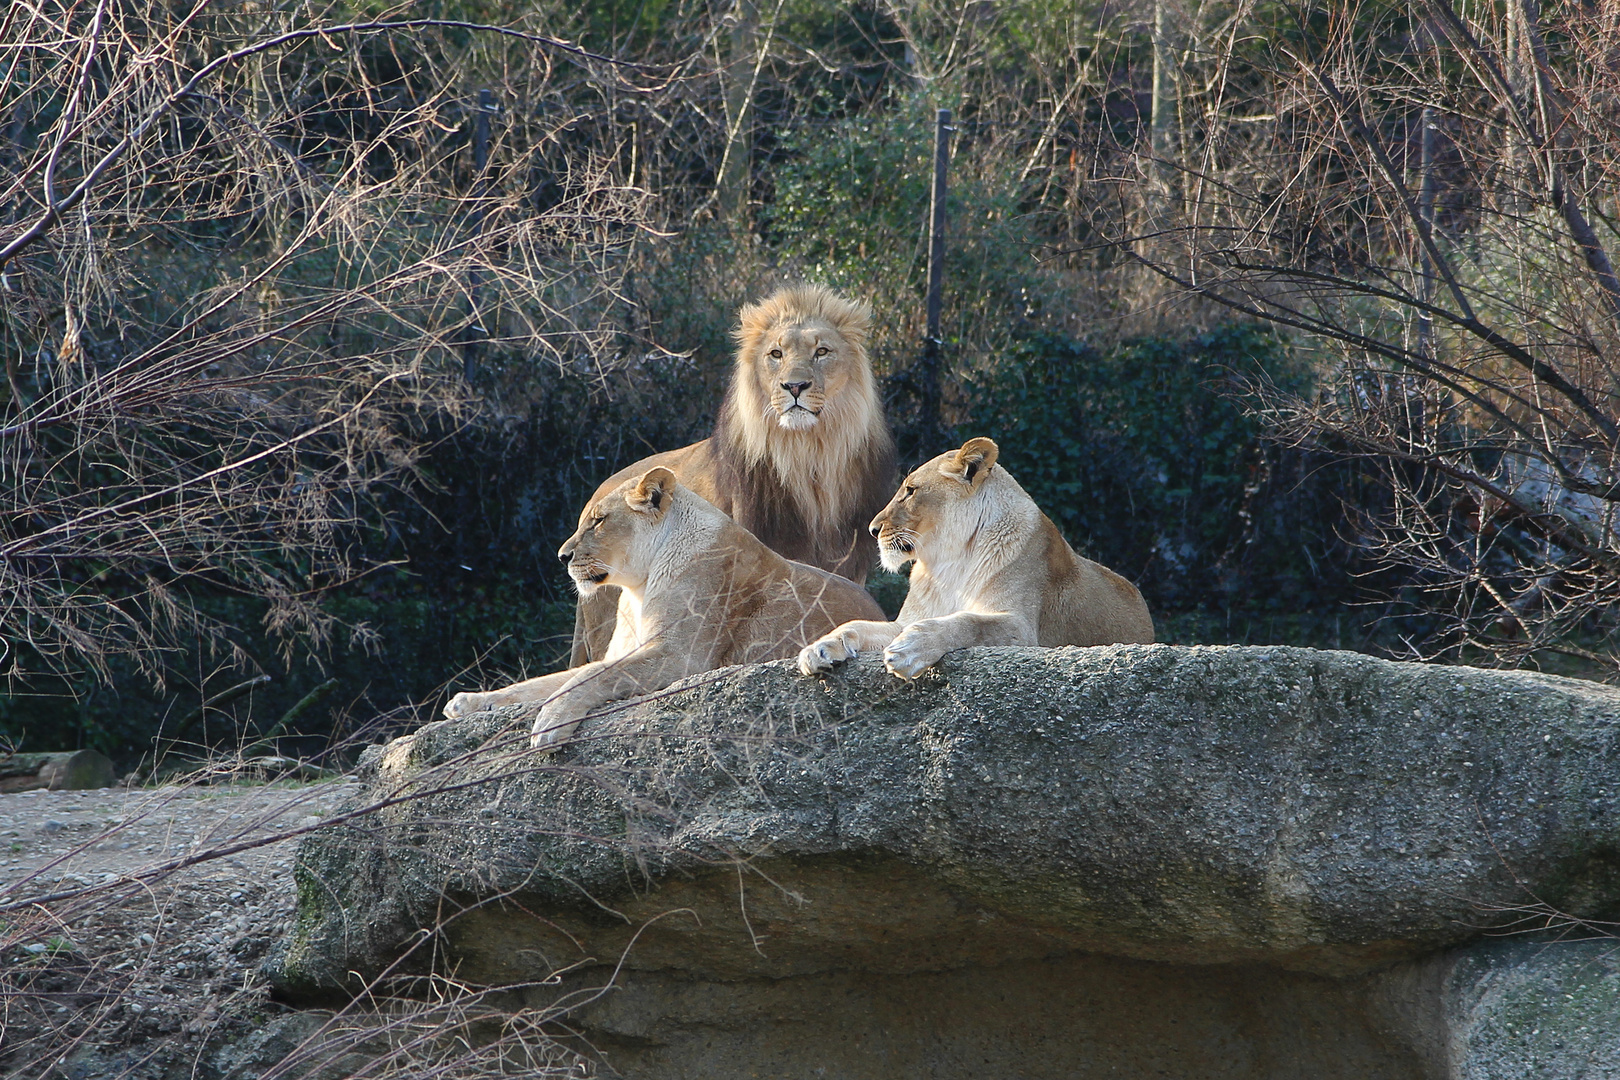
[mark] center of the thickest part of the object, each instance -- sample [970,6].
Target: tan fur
[991,569]
[696,592]
[804,480]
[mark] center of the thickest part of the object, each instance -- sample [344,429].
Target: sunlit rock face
[1130,860]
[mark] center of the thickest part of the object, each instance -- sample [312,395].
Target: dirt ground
[146,984]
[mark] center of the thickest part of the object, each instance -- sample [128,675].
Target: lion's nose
[874,529]
[565,555]
[796,388]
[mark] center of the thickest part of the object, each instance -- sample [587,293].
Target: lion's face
[932,510]
[613,543]
[799,367]
[801,362]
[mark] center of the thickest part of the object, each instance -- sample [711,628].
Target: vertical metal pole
[735,173]
[1164,101]
[476,331]
[936,269]
[1426,156]
[1428,150]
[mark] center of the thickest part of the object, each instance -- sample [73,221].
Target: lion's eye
[823,351]
[776,354]
[910,491]
[596,522]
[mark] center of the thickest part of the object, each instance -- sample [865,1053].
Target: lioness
[800,456]
[699,592]
[991,569]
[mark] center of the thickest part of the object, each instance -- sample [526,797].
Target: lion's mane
[807,494]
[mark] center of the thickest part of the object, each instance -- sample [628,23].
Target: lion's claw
[553,726]
[822,656]
[909,655]
[463,704]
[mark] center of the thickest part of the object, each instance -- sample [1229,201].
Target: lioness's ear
[652,492]
[973,461]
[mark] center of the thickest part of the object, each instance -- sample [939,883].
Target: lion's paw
[552,727]
[910,654]
[464,704]
[820,657]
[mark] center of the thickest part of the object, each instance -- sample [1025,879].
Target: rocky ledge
[1244,862]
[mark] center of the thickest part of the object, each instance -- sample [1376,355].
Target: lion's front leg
[922,643]
[568,704]
[557,720]
[530,691]
[845,643]
[596,617]
[594,685]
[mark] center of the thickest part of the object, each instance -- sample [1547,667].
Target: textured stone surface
[1493,1010]
[1529,1009]
[1306,826]
[1050,1019]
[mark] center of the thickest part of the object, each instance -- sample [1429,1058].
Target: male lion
[699,592]
[991,569]
[800,456]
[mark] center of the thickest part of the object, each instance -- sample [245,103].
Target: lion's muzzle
[588,574]
[797,417]
[895,550]
[892,539]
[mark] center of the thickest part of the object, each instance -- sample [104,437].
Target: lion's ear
[973,461]
[652,492]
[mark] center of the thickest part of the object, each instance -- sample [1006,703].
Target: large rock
[1259,861]
[61,770]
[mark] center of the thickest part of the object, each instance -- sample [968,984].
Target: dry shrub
[249,272]
[1418,192]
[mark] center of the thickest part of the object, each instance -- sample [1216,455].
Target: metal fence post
[476,330]
[929,390]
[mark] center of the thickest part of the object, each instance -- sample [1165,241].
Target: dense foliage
[1141,451]
[311,231]
[1148,461]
